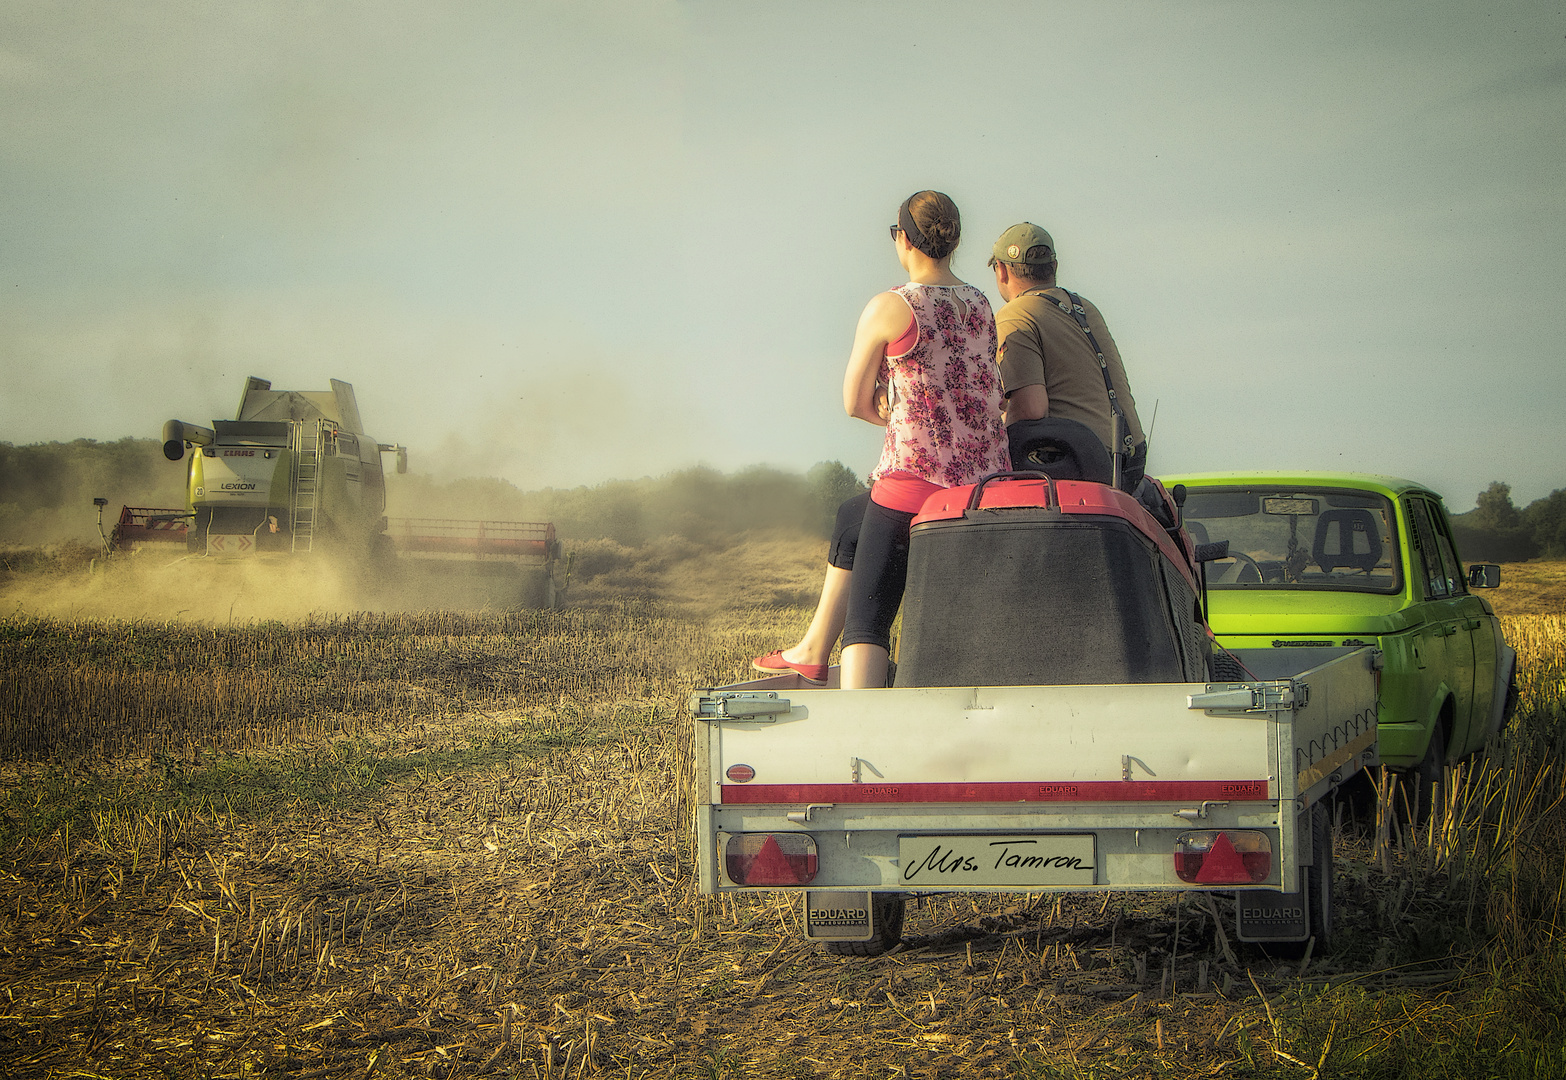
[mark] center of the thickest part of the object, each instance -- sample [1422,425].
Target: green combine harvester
[294,473]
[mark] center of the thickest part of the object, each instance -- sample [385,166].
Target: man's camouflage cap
[1017,242]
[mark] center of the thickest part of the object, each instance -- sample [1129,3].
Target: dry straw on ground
[455,846]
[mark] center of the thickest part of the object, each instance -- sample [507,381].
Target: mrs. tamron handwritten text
[997,860]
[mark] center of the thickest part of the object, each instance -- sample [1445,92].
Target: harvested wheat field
[458,845]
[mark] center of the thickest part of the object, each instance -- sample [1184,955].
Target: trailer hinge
[749,708]
[1251,697]
[1200,812]
[802,817]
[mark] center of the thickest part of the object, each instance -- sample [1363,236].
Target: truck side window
[1427,556]
[1456,582]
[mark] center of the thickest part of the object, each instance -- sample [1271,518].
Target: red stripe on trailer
[1006,791]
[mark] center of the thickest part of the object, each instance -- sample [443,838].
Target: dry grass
[453,846]
[1536,587]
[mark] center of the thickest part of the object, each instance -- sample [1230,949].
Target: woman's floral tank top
[945,425]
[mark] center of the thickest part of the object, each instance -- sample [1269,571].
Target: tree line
[1497,531]
[47,489]
[47,492]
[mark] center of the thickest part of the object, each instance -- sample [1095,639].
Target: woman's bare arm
[883,321]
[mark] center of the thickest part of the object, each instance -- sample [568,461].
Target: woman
[923,367]
[932,343]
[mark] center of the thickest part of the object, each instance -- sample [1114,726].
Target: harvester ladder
[307,471]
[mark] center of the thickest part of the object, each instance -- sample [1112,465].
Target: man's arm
[1026,403]
[1021,364]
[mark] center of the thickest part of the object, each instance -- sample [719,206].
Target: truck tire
[888,913]
[1427,775]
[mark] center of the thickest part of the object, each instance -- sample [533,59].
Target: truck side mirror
[402,460]
[1484,575]
[1217,549]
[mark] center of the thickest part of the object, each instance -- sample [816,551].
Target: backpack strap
[1123,439]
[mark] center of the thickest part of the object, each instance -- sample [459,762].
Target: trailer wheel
[888,914]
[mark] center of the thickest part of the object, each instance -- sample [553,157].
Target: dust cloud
[694,538]
[156,585]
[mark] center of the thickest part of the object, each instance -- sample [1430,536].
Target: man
[1048,366]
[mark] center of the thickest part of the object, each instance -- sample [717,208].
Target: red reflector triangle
[1223,865]
[771,866]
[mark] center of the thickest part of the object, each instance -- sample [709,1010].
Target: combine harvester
[295,474]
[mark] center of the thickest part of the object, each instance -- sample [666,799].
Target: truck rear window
[1290,538]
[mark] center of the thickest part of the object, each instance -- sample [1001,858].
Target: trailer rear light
[770,858]
[1230,857]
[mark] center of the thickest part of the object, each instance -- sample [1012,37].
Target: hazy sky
[564,242]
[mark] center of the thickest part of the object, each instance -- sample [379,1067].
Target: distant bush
[1496,531]
[700,504]
[64,558]
[46,489]
[1478,544]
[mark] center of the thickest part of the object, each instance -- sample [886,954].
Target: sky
[564,242]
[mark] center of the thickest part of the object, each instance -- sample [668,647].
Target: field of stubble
[457,845]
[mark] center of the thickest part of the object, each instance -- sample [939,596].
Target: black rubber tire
[1426,777]
[888,909]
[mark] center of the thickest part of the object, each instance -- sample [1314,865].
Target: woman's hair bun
[938,219]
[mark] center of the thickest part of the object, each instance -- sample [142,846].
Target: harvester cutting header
[295,472]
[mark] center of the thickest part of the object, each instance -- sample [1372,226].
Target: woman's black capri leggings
[845,531]
[880,575]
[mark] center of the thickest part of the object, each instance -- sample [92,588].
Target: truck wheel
[1427,775]
[888,914]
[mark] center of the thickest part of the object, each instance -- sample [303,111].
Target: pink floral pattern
[945,425]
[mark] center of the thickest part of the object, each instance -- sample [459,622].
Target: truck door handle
[1446,631]
[1472,624]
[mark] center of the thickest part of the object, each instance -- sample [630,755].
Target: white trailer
[859,798]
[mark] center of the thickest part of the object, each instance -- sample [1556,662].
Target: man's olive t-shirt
[1042,345]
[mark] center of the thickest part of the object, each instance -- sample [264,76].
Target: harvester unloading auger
[294,472]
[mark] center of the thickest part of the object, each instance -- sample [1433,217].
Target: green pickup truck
[1335,561]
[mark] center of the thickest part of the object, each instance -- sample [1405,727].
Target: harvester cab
[293,467]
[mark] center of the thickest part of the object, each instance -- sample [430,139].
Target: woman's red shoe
[774,664]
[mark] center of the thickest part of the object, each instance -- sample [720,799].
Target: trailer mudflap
[1264,915]
[838,915]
